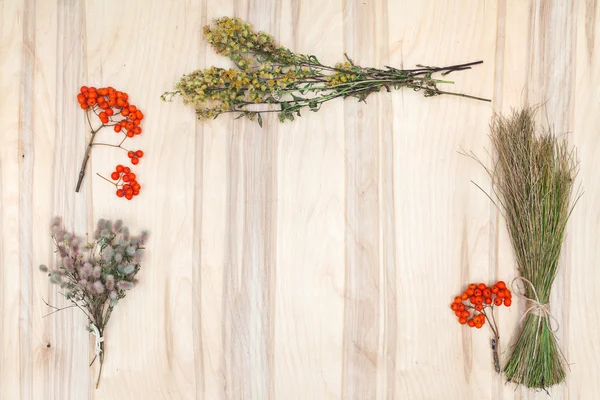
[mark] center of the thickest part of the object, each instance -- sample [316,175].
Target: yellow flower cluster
[342,75]
[217,90]
[237,40]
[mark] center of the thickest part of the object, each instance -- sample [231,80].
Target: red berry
[117,128]
[135,160]
[120,193]
[120,168]
[130,154]
[501,284]
[115,176]
[126,170]
[507,302]
[139,154]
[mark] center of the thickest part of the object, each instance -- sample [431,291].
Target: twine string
[534,306]
[99,339]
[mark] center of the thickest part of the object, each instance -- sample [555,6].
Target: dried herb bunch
[273,79]
[94,276]
[533,181]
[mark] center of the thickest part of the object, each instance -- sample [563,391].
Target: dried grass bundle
[533,181]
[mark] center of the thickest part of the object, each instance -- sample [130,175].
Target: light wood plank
[11,58]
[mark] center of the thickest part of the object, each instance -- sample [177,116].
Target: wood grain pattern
[309,260]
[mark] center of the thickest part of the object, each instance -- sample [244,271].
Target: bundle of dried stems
[533,179]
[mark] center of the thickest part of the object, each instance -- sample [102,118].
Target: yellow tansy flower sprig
[273,79]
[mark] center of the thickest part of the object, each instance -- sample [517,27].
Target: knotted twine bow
[99,339]
[534,306]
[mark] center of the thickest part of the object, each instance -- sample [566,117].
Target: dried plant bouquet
[533,180]
[95,275]
[273,79]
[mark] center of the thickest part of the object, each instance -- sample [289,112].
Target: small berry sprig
[113,110]
[125,182]
[482,297]
[135,156]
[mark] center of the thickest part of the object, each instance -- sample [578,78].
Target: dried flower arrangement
[112,109]
[96,275]
[481,298]
[533,182]
[273,79]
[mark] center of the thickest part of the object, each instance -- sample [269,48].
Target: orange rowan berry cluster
[135,156]
[126,184]
[113,109]
[108,102]
[480,296]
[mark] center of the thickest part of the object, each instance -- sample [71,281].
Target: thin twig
[87,152]
[107,180]
[110,145]
[60,309]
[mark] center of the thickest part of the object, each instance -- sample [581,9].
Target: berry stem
[495,345]
[86,157]
[111,145]
[495,340]
[107,180]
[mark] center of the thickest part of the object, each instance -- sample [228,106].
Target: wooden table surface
[308,260]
